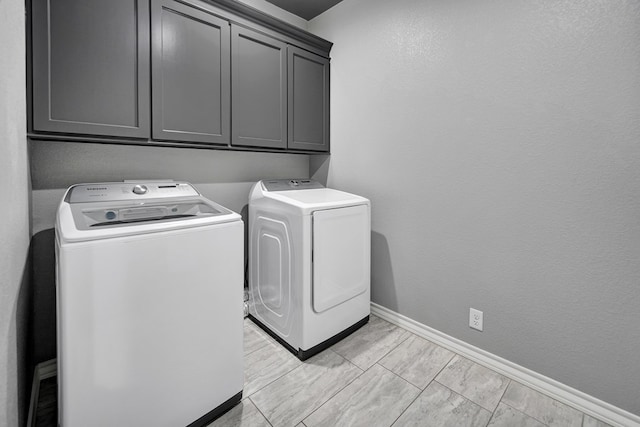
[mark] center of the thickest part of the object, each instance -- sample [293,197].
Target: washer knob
[140,189]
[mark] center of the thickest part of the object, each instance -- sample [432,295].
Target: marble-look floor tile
[589,421]
[439,406]
[265,365]
[370,343]
[417,360]
[249,323]
[294,396]
[253,338]
[475,382]
[506,416]
[244,414]
[541,407]
[375,398]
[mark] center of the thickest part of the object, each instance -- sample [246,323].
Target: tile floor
[383,375]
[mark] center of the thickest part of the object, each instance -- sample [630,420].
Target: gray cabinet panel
[259,87]
[91,67]
[308,101]
[190,74]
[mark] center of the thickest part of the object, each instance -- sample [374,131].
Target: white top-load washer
[149,286]
[309,262]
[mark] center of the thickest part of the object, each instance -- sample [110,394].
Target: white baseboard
[41,372]
[552,388]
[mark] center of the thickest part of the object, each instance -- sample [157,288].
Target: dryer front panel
[341,255]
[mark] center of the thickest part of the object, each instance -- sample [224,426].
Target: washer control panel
[290,184]
[116,191]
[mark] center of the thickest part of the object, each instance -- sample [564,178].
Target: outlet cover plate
[475,319]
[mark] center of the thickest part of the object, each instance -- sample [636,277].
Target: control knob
[140,189]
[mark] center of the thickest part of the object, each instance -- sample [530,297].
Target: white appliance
[149,285]
[309,263]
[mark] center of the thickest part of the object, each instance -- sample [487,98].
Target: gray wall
[499,144]
[14,223]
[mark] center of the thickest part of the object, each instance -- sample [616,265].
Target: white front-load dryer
[149,282]
[309,263]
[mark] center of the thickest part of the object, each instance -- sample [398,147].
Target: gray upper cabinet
[190,74]
[200,73]
[308,101]
[91,67]
[259,87]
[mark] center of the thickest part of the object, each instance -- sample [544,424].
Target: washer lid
[86,216]
[106,210]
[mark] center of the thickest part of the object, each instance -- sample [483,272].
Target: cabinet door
[308,101]
[259,87]
[91,67]
[190,74]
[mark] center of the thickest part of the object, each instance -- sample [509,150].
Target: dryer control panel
[290,184]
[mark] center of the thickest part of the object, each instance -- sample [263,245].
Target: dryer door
[341,255]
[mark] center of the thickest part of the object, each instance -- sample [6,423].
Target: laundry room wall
[498,143]
[14,223]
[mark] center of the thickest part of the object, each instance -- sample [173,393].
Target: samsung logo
[96,188]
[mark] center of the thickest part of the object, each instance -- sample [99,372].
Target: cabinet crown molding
[257,16]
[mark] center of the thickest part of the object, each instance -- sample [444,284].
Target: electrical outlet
[475,319]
